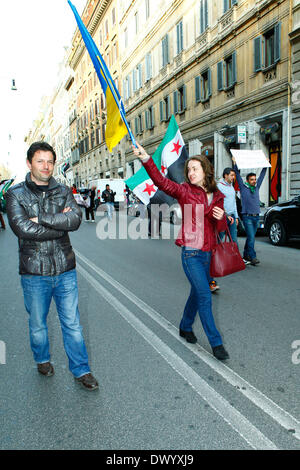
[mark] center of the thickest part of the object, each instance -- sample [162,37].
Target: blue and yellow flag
[116,124]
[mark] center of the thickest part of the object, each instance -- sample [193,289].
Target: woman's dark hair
[36,146]
[209,179]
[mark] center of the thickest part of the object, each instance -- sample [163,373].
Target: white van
[117,185]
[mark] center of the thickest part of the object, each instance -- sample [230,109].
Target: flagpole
[89,40]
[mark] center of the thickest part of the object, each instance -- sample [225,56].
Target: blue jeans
[250,224]
[196,265]
[38,292]
[232,229]
[109,208]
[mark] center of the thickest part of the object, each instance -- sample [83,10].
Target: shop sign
[241,134]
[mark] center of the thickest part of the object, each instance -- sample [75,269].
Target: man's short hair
[36,146]
[249,176]
[107,185]
[227,171]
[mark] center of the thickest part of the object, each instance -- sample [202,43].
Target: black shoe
[46,368]
[188,335]
[254,261]
[220,353]
[88,382]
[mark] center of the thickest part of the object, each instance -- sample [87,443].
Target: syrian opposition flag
[169,158]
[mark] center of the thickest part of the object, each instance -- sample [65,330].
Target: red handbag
[225,257]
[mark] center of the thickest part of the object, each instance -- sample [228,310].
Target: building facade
[295,100]
[222,67]
[90,157]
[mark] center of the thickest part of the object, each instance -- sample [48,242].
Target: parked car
[282,221]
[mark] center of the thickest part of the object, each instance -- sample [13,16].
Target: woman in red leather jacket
[202,215]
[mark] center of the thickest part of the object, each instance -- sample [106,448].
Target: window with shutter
[230,71]
[165,51]
[179,36]
[205,85]
[203,15]
[228,4]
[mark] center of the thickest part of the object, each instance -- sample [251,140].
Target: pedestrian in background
[41,212]
[199,190]
[90,205]
[250,209]
[74,189]
[108,196]
[225,185]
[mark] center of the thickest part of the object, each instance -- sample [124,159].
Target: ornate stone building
[221,67]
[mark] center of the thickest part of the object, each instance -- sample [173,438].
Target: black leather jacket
[44,247]
[108,196]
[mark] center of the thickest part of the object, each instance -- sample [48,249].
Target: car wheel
[277,233]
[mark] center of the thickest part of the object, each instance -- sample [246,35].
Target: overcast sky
[33,34]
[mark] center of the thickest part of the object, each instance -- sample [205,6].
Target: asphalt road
[156,391]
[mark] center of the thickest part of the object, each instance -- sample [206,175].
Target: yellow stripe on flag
[115,127]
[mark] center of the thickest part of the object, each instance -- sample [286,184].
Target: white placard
[250,159]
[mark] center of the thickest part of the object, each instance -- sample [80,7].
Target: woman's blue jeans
[196,265]
[250,224]
[38,292]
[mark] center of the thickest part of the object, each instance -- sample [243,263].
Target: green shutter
[175,99]
[197,89]
[184,97]
[205,14]
[234,71]
[209,83]
[220,76]
[257,54]
[277,42]
[202,28]
[161,111]
[168,108]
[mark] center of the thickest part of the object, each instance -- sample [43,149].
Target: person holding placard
[250,209]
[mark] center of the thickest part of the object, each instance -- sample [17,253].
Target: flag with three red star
[169,159]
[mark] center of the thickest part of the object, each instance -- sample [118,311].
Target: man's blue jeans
[196,265]
[232,229]
[250,224]
[38,292]
[109,208]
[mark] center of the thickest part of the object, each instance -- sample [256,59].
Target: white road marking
[234,418]
[278,414]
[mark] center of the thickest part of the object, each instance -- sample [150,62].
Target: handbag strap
[227,233]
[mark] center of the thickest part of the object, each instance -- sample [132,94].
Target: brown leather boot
[46,368]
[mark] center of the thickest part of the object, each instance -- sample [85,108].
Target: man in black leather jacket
[108,197]
[41,212]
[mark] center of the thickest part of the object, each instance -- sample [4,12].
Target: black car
[282,221]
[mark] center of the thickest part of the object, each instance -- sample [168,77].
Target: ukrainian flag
[116,124]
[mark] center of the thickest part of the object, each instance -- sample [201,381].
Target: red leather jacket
[189,194]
